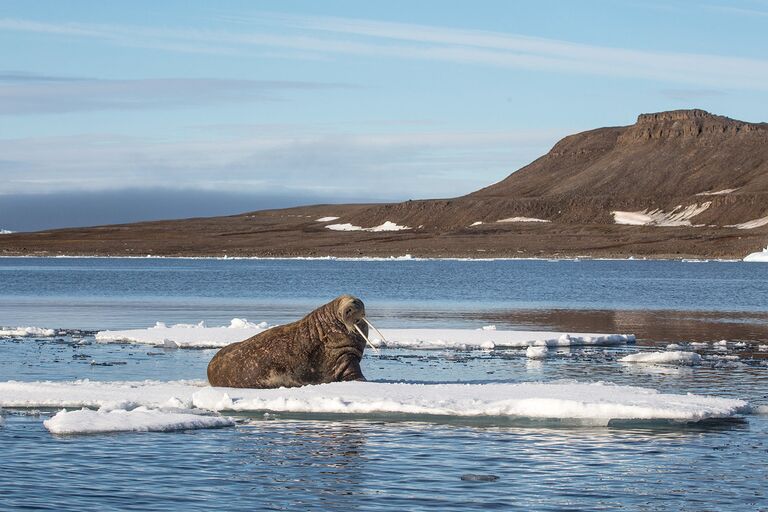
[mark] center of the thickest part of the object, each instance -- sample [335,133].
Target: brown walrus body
[321,347]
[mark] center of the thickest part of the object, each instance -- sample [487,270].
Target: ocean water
[292,462]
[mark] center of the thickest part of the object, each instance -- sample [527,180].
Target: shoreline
[401,258]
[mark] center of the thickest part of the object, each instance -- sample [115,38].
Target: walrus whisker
[366,339]
[375,329]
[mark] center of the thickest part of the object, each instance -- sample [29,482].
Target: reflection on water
[281,462]
[363,465]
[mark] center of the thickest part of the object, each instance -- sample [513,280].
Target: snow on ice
[200,336]
[140,419]
[671,357]
[761,256]
[186,335]
[591,403]
[26,332]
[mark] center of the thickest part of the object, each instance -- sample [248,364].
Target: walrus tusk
[375,329]
[366,338]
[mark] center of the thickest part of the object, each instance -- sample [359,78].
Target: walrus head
[351,312]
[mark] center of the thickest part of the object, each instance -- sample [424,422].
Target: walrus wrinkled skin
[321,347]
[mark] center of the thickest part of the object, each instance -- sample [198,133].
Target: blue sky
[227,106]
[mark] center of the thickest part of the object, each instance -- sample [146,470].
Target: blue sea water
[301,463]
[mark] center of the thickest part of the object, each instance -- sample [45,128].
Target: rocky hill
[683,183]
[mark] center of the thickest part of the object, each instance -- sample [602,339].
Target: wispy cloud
[432,163]
[329,36]
[27,93]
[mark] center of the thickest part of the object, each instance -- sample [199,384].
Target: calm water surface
[295,463]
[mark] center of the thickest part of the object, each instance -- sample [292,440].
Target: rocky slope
[675,184]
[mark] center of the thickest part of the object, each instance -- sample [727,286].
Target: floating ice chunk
[595,403]
[762,348]
[536,352]
[679,216]
[140,419]
[489,327]
[674,346]
[94,394]
[199,336]
[699,345]
[740,344]
[522,219]
[465,339]
[761,256]
[186,335]
[26,332]
[326,219]
[721,345]
[674,357]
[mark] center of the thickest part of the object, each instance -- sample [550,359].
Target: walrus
[324,346]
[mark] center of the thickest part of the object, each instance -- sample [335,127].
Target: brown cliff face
[710,171]
[662,161]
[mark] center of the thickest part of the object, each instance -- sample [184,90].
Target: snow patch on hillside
[387,226]
[679,216]
[719,192]
[522,219]
[751,224]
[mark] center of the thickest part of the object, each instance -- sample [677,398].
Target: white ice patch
[200,336]
[5,232]
[761,256]
[719,192]
[475,224]
[466,339]
[343,227]
[595,403]
[679,216]
[326,219]
[140,419]
[672,357]
[536,352]
[698,345]
[522,219]
[751,224]
[186,335]
[26,332]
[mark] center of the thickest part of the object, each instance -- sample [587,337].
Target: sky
[123,111]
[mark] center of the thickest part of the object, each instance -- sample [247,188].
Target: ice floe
[186,335]
[670,357]
[679,216]
[140,419]
[386,226]
[536,352]
[26,332]
[200,336]
[522,219]
[326,219]
[469,339]
[761,256]
[593,403]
